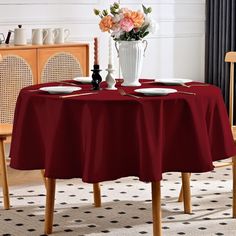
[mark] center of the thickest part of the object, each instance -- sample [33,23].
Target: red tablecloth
[108,136]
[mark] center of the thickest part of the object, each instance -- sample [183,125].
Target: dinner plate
[173,81]
[83,80]
[155,91]
[59,89]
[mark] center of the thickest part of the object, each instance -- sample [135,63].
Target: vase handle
[145,47]
[116,43]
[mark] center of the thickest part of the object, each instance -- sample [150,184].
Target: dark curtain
[220,38]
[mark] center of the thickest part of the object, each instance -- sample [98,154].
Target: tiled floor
[126,208]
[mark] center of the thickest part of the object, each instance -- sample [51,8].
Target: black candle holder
[96,77]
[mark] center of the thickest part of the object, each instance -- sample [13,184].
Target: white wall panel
[177,49]
[163,2]
[47,2]
[166,57]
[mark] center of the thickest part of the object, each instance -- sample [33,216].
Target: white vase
[131,60]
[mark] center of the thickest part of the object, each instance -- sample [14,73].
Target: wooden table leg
[3,167]
[156,208]
[186,192]
[234,186]
[180,199]
[44,178]
[97,195]
[50,199]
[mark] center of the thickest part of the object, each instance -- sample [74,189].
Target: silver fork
[182,84]
[154,82]
[184,92]
[196,85]
[123,93]
[77,95]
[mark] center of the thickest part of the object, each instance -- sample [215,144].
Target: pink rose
[126,24]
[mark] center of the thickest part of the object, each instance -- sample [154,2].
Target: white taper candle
[110,56]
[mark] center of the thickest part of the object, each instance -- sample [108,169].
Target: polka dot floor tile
[126,208]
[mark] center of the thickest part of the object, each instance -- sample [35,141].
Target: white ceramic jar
[131,60]
[62,35]
[49,36]
[37,36]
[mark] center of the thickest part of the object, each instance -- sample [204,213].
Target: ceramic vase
[131,55]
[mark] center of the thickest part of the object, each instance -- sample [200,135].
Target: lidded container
[20,36]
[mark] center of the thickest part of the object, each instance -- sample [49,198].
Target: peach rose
[106,23]
[136,16]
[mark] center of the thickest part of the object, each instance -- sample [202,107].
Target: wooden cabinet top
[30,46]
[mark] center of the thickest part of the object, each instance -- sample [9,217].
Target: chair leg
[234,186]
[50,199]
[186,192]
[156,208]
[180,198]
[4,176]
[97,195]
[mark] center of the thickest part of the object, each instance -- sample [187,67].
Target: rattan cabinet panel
[17,70]
[55,64]
[22,66]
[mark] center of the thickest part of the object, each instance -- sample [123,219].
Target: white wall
[176,50]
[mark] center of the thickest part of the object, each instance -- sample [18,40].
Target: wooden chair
[5,132]
[231,58]
[22,75]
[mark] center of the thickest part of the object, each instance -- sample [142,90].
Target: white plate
[173,81]
[59,89]
[83,80]
[155,91]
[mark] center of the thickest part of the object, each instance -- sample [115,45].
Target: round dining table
[106,134]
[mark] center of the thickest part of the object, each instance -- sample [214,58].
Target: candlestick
[96,77]
[96,51]
[110,56]
[111,82]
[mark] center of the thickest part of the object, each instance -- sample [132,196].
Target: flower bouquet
[128,28]
[125,24]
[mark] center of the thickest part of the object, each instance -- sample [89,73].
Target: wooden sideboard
[22,66]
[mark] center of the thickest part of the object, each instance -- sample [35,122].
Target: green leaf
[116,5]
[145,10]
[113,11]
[122,37]
[149,10]
[144,28]
[145,34]
[105,12]
[96,12]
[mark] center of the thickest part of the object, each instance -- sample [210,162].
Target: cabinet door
[62,63]
[17,70]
